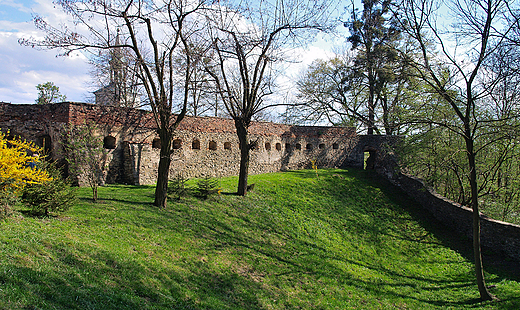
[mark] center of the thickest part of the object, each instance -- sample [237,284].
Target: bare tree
[114,76]
[247,41]
[203,99]
[328,92]
[457,74]
[155,32]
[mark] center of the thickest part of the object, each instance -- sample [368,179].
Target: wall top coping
[456,204]
[78,112]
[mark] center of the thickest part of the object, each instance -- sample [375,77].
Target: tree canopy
[49,93]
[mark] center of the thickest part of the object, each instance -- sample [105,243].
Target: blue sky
[15,11]
[22,68]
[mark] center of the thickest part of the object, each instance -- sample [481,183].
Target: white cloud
[300,59]
[23,67]
[16,4]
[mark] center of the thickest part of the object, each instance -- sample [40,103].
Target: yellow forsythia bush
[17,166]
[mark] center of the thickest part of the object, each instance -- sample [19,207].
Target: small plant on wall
[314,167]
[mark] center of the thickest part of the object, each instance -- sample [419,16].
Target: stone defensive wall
[203,146]
[501,237]
[208,146]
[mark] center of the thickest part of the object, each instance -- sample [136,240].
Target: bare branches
[154,32]
[480,31]
[246,42]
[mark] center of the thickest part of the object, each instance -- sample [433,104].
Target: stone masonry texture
[208,146]
[204,146]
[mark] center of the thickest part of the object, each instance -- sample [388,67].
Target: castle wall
[40,124]
[500,237]
[273,153]
[133,158]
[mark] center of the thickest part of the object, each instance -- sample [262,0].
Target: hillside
[343,240]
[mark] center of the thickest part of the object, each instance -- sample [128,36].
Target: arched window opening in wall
[298,146]
[335,146]
[308,147]
[370,160]
[227,145]
[109,142]
[177,143]
[45,143]
[278,146]
[321,146]
[156,143]
[195,145]
[267,146]
[212,145]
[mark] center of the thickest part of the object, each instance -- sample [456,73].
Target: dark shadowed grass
[345,240]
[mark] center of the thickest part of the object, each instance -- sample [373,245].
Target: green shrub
[7,200]
[52,196]
[206,187]
[177,187]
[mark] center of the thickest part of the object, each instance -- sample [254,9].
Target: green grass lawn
[345,240]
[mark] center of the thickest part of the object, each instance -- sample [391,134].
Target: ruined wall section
[500,237]
[382,148]
[204,146]
[208,146]
[121,125]
[40,124]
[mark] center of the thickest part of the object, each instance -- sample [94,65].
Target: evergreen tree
[49,93]
[374,34]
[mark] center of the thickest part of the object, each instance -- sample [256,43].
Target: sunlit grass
[345,240]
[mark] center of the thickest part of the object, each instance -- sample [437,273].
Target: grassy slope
[345,240]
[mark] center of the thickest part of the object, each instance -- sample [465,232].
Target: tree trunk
[389,130]
[371,105]
[161,189]
[244,158]
[94,193]
[371,118]
[477,254]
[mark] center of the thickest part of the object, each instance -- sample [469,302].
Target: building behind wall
[203,146]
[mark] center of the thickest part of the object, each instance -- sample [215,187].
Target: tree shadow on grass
[494,262]
[316,264]
[381,223]
[38,215]
[112,283]
[88,278]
